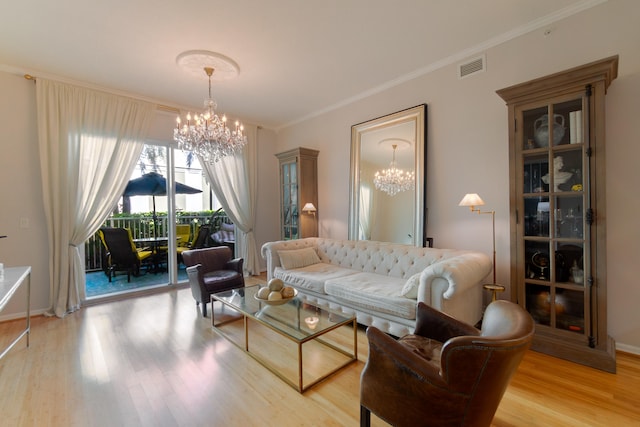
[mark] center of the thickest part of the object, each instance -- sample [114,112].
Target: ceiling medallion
[194,61]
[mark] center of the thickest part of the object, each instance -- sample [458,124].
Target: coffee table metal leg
[300,386]
[355,339]
[213,311]
[246,333]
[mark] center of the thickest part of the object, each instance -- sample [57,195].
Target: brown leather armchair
[447,373]
[212,270]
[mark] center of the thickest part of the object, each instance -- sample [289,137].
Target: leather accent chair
[212,270]
[446,373]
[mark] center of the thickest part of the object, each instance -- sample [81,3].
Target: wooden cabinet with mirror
[557,210]
[298,186]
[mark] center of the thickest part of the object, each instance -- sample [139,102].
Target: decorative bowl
[277,301]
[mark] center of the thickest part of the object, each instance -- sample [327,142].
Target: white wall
[623,227]
[467,148]
[21,193]
[268,210]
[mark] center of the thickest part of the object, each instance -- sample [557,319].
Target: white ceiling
[297,58]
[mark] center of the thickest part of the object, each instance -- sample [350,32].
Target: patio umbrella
[153,184]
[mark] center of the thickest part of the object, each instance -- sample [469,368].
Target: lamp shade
[309,207]
[471,199]
[543,206]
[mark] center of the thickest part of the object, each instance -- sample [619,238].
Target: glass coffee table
[296,321]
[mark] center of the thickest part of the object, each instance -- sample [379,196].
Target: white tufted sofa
[368,279]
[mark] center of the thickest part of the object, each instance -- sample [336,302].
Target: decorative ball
[287,292]
[561,304]
[263,293]
[276,285]
[275,296]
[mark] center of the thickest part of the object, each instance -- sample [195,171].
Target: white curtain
[366,216]
[234,182]
[366,209]
[89,144]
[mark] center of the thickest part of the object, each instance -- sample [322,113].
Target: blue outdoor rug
[98,282]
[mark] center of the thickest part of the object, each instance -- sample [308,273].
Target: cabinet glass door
[289,201]
[553,239]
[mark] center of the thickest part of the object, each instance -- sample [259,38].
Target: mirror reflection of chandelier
[206,134]
[393,180]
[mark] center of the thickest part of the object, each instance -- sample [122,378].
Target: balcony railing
[142,227]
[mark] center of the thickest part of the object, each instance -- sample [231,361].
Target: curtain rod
[159,107]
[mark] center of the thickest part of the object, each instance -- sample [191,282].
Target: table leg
[246,332]
[213,311]
[28,308]
[355,339]
[300,387]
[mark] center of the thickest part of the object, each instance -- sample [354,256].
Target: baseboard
[600,357]
[628,348]
[22,315]
[152,290]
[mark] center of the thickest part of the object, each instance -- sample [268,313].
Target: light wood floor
[154,361]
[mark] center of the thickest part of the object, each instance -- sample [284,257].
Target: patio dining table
[158,256]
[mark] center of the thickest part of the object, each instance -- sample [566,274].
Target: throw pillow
[410,288]
[298,258]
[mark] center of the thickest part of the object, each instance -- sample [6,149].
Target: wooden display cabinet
[557,210]
[298,186]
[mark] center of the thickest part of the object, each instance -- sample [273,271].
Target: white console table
[14,277]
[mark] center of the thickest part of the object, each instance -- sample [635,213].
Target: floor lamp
[472,200]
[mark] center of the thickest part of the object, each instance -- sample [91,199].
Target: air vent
[473,66]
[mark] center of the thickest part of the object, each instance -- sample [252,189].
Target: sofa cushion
[373,292]
[223,236]
[312,277]
[298,258]
[220,279]
[426,348]
[410,288]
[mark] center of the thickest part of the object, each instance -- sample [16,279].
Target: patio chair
[122,254]
[203,237]
[183,232]
[199,241]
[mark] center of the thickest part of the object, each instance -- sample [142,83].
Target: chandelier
[208,135]
[393,180]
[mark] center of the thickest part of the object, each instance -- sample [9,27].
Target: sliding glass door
[160,218]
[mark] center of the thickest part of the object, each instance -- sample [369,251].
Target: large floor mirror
[388,178]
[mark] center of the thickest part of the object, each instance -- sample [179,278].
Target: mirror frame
[418,115]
